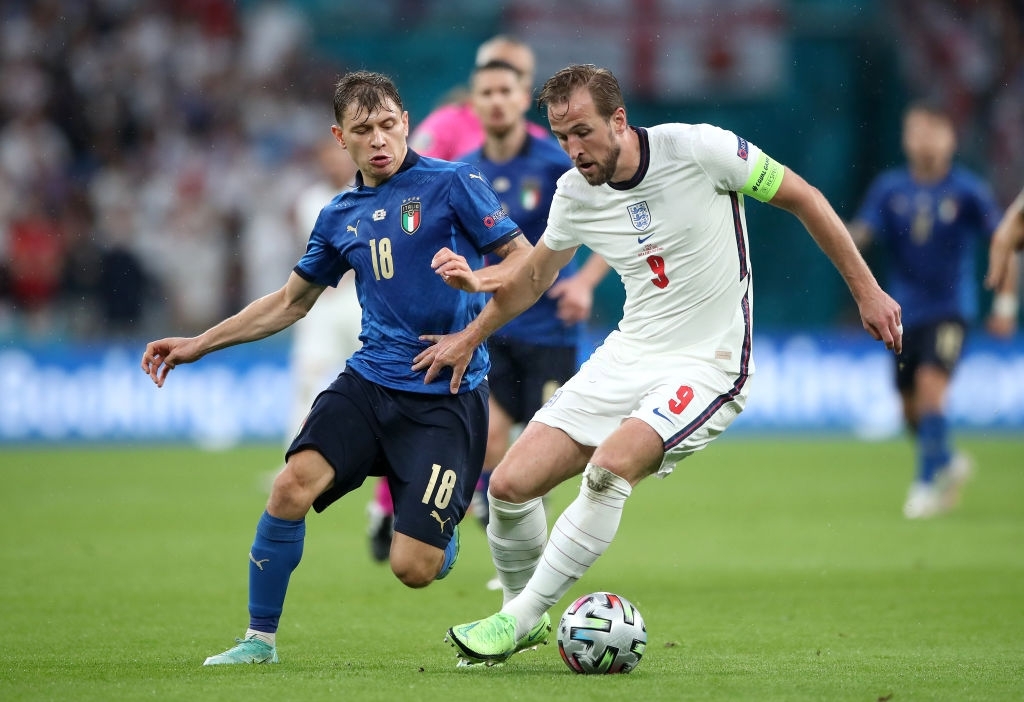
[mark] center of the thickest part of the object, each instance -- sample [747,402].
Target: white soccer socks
[516,534]
[580,535]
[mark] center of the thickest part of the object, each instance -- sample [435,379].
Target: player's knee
[499,487]
[284,497]
[508,486]
[413,572]
[290,497]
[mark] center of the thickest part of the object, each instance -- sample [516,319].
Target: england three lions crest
[639,215]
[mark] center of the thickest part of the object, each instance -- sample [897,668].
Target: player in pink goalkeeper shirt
[453,129]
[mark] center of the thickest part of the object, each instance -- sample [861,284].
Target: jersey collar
[645,162]
[524,150]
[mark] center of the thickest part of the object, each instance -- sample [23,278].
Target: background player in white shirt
[329,333]
[665,208]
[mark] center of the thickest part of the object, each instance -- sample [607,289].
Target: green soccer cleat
[536,636]
[451,554]
[492,640]
[250,650]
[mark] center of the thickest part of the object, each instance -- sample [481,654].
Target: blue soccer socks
[933,446]
[276,551]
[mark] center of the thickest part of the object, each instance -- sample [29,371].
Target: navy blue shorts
[525,376]
[430,447]
[938,344]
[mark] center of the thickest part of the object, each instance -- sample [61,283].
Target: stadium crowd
[969,57]
[146,144]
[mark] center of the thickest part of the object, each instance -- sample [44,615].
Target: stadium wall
[804,383]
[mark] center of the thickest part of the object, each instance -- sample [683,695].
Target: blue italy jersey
[930,233]
[388,235]
[525,184]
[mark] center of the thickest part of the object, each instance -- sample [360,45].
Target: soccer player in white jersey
[664,207]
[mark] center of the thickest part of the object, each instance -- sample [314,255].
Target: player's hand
[575,300]
[160,357]
[453,351]
[455,271]
[883,319]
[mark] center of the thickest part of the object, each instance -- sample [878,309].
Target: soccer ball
[602,633]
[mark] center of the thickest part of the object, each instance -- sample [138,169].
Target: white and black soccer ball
[602,633]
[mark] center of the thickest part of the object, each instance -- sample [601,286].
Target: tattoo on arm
[505,249]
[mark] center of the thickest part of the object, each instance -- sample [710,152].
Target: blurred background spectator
[148,144]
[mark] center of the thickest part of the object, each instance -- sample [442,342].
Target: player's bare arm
[259,319]
[860,232]
[526,284]
[1004,269]
[1007,239]
[455,271]
[879,313]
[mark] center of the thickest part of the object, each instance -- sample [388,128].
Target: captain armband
[765,180]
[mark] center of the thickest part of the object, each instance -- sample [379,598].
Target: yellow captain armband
[765,180]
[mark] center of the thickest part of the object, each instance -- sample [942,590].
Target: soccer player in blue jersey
[930,216]
[450,131]
[379,417]
[534,354]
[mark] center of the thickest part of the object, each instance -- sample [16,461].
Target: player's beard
[501,131]
[606,168]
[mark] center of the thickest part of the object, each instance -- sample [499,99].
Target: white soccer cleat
[927,500]
[952,478]
[923,501]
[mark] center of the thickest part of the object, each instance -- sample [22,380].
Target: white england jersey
[677,236]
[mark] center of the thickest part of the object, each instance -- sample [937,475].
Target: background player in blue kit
[379,417]
[929,217]
[535,353]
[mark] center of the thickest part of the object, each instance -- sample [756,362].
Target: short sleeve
[734,164]
[478,210]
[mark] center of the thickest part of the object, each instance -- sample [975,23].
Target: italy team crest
[639,215]
[529,194]
[411,216]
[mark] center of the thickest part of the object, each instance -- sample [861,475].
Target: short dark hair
[496,64]
[369,91]
[602,85]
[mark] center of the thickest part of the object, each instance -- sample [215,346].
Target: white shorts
[686,400]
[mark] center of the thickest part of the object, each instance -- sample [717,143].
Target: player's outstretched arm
[879,313]
[259,319]
[527,283]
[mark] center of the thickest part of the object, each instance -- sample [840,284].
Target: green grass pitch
[765,570]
